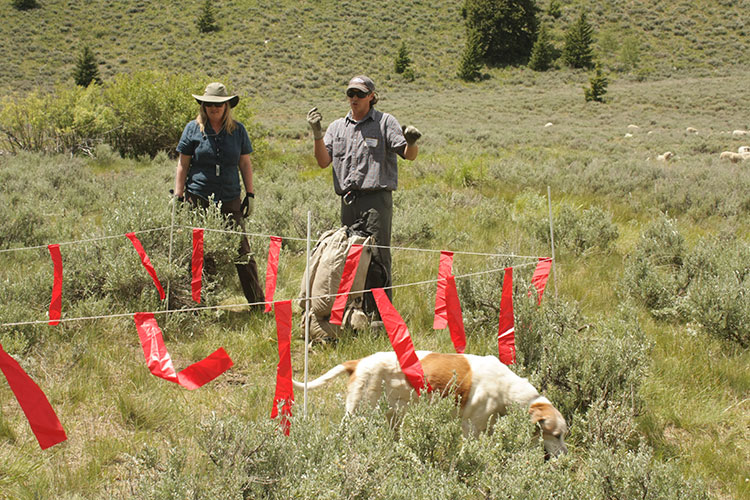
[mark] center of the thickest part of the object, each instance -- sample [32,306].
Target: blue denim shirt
[214,160]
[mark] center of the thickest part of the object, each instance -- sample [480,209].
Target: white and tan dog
[484,387]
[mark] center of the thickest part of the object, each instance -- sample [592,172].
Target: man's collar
[366,117]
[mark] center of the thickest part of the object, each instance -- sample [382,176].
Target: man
[363,147]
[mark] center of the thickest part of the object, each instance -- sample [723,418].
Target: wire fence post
[307,311]
[552,238]
[169,257]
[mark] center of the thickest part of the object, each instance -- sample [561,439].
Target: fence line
[245,304]
[263,235]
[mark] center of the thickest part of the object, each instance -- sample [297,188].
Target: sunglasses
[213,104]
[356,92]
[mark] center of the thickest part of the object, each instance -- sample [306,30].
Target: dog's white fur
[483,386]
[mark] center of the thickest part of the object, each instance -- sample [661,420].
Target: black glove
[247,205]
[178,198]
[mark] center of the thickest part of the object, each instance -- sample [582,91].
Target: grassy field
[479,185]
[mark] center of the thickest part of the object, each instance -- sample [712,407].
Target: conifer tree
[577,52]
[598,86]
[506,28]
[207,20]
[543,52]
[471,59]
[402,59]
[25,4]
[86,70]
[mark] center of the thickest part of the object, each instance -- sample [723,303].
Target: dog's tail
[346,367]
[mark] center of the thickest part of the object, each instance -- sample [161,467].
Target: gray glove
[411,134]
[313,119]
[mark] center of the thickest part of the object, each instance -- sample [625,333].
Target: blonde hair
[228,124]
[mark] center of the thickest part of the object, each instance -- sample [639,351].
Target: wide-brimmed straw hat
[216,92]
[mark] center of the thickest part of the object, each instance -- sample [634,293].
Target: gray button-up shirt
[364,152]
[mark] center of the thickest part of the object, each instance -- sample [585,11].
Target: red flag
[146,263]
[445,269]
[284,389]
[347,278]
[506,339]
[42,418]
[540,276]
[196,264]
[400,339]
[159,361]
[55,304]
[455,317]
[272,270]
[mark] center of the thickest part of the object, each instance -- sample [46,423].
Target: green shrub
[580,230]
[138,114]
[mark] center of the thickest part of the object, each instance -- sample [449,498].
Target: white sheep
[734,157]
[548,124]
[740,133]
[666,156]
[743,149]
[691,130]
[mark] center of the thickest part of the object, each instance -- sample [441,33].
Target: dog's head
[552,425]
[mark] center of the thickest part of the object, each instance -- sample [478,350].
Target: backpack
[326,268]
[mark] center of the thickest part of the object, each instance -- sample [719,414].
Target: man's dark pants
[382,201]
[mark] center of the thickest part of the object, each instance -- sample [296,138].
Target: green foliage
[72,119]
[470,66]
[597,86]
[705,286]
[580,230]
[577,50]
[207,20]
[554,9]
[403,61]
[138,114]
[24,4]
[86,70]
[506,29]
[543,52]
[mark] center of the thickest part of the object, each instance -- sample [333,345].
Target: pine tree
[471,59]
[542,53]
[25,4]
[402,59]
[598,86]
[86,70]
[506,28]
[207,21]
[577,52]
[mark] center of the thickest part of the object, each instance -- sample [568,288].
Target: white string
[89,240]
[243,305]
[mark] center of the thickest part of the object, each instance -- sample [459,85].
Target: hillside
[276,50]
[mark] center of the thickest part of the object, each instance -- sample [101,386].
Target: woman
[214,149]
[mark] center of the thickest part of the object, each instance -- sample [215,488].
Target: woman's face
[215,111]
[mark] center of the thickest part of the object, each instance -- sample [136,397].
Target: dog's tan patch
[446,372]
[547,415]
[350,366]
